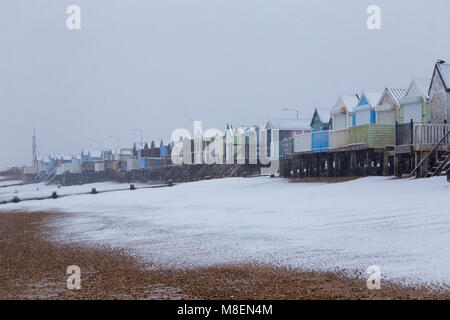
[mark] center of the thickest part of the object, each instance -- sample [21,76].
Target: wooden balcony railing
[428,135]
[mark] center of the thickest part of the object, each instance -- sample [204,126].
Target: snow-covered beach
[402,225]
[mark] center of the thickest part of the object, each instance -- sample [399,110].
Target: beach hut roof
[444,71]
[371,97]
[423,84]
[396,94]
[324,114]
[347,100]
[288,124]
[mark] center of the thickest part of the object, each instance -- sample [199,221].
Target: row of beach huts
[97,166]
[390,132]
[394,131]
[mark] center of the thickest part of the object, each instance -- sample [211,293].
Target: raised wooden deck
[420,137]
[425,136]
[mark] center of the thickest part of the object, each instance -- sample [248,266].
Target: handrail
[428,134]
[51,175]
[429,153]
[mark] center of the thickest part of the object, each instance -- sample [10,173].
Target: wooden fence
[404,134]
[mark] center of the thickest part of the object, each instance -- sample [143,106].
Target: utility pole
[34,148]
[139,130]
[118,143]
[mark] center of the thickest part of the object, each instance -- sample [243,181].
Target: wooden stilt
[385,163]
[396,165]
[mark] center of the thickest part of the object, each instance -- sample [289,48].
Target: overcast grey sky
[154,64]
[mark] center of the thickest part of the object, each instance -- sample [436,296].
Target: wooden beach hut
[364,112]
[439,93]
[387,108]
[341,114]
[415,105]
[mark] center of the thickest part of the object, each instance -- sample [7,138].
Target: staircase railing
[439,165]
[429,153]
[50,177]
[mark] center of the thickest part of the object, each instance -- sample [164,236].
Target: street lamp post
[288,109]
[139,130]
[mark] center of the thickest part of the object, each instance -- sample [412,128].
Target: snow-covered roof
[62,156]
[288,124]
[423,84]
[324,114]
[126,151]
[372,97]
[397,94]
[444,70]
[95,154]
[347,100]
[245,129]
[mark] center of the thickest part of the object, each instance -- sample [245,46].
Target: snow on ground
[403,226]
[35,190]
[6,183]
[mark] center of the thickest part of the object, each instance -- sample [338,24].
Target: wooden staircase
[50,177]
[441,165]
[232,171]
[199,175]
